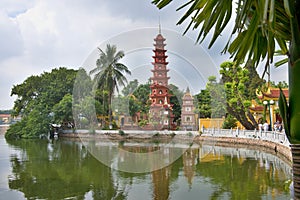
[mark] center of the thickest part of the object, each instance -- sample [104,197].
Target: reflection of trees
[61,170]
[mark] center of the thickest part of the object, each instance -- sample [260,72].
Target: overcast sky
[39,35]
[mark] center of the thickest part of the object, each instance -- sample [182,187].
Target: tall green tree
[211,101]
[258,26]
[217,94]
[203,103]
[240,89]
[37,98]
[176,101]
[130,87]
[109,72]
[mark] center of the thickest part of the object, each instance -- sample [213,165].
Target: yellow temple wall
[214,123]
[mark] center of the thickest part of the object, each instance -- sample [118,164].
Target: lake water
[66,169]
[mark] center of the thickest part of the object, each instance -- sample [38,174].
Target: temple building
[188,118]
[160,113]
[267,108]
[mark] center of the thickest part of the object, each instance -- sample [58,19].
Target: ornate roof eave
[159,56]
[162,63]
[158,86]
[272,93]
[160,70]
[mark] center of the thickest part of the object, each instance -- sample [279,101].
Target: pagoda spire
[159,26]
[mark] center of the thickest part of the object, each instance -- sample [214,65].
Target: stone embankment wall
[267,146]
[275,147]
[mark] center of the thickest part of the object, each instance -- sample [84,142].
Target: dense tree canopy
[211,101]
[39,99]
[203,104]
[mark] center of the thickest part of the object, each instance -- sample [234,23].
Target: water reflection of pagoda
[161,115]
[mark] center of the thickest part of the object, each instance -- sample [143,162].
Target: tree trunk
[294,72]
[110,109]
[294,115]
[294,99]
[296,169]
[294,95]
[241,117]
[250,116]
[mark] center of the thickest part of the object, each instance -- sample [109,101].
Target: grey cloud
[10,39]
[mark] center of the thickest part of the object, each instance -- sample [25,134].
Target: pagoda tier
[157,69]
[159,94]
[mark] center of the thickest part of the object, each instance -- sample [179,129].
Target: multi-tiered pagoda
[161,115]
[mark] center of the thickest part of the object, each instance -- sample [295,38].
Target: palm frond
[259,25]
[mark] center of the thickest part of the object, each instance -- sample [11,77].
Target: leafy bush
[229,122]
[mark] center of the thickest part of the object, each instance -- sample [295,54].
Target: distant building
[188,117]
[5,118]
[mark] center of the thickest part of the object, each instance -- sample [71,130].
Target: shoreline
[274,148]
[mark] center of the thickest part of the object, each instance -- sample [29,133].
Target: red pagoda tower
[161,115]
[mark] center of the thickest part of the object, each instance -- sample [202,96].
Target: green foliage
[101,96]
[240,87]
[143,122]
[176,101]
[135,101]
[86,110]
[130,87]
[204,104]
[156,134]
[280,84]
[141,97]
[256,21]
[63,110]
[218,100]
[83,86]
[37,98]
[121,132]
[92,131]
[284,113]
[229,122]
[5,111]
[189,134]
[211,101]
[109,73]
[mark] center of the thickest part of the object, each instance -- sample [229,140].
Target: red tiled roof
[274,93]
[5,115]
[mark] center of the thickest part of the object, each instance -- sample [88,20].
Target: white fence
[273,136]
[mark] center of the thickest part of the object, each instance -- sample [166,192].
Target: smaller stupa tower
[188,119]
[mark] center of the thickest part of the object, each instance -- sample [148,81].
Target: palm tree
[260,27]
[109,73]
